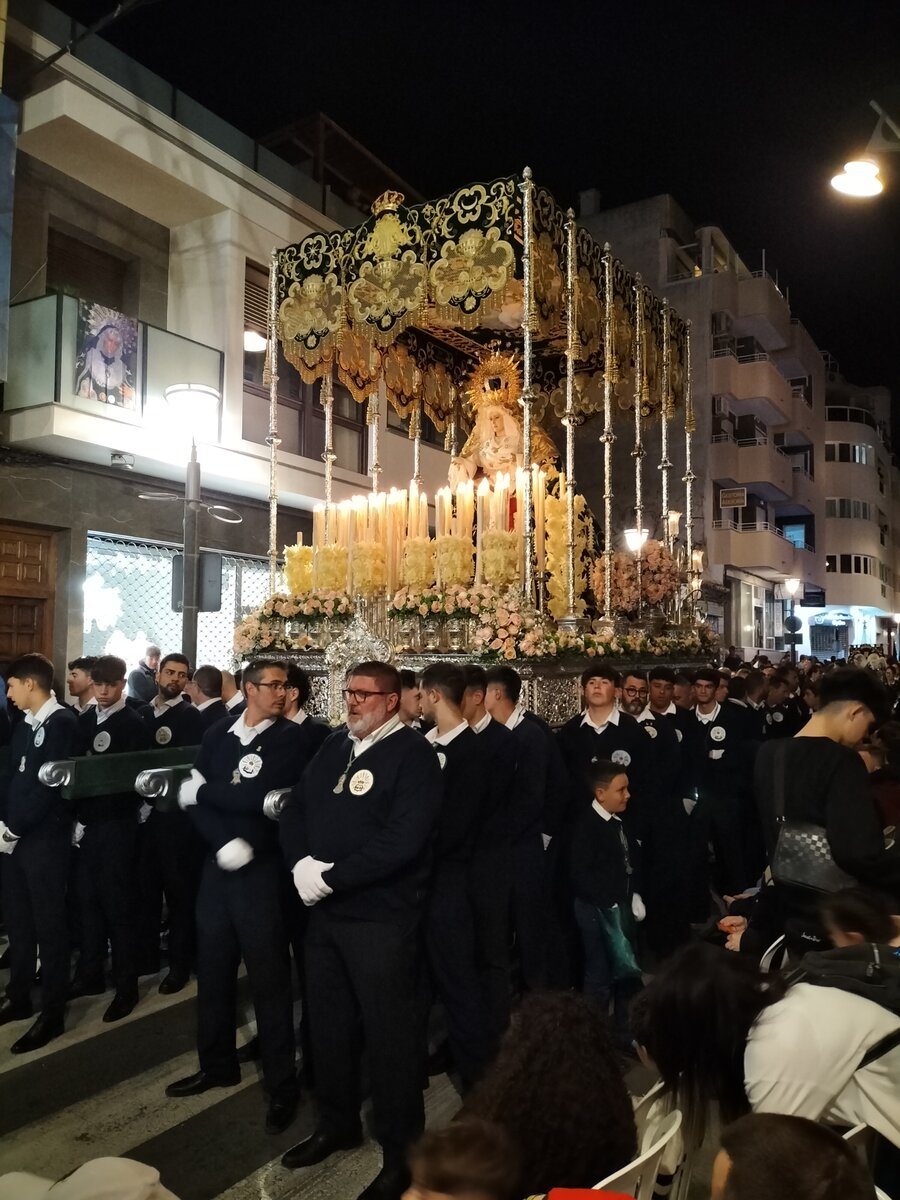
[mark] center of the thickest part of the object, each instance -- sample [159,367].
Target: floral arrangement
[556,518]
[416,602]
[660,577]
[368,568]
[500,557]
[454,560]
[471,601]
[298,568]
[330,569]
[265,628]
[418,563]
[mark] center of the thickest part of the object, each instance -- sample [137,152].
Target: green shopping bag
[617,926]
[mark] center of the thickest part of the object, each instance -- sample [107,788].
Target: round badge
[679,734]
[620,757]
[442,759]
[651,730]
[361,782]
[717,733]
[163,735]
[775,717]
[39,736]
[102,741]
[250,766]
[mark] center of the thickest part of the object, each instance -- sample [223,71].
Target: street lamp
[195,408]
[635,538]
[792,587]
[859,177]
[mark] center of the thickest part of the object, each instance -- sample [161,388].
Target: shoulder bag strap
[780,767]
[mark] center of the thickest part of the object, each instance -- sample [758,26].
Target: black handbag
[802,856]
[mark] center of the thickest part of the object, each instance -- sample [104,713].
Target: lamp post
[859,177]
[194,407]
[792,586]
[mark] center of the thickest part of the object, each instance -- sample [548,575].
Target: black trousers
[34,879]
[239,915]
[106,865]
[450,942]
[365,971]
[529,905]
[721,820]
[666,877]
[169,859]
[490,891]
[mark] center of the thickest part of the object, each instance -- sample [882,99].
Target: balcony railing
[47,365]
[749,527]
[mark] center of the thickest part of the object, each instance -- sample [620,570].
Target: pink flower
[436,606]
[496,644]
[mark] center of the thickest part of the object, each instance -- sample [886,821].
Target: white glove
[187,792]
[77,833]
[234,854]
[689,804]
[311,887]
[638,911]
[144,812]
[8,840]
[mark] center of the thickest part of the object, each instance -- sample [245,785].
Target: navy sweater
[180,725]
[127,732]
[27,805]
[377,829]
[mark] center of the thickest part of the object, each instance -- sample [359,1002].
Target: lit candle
[540,493]
[318,526]
[423,515]
[413,519]
[481,501]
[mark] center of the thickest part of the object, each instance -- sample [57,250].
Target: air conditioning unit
[721,322]
[720,406]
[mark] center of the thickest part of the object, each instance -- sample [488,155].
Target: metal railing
[750,527]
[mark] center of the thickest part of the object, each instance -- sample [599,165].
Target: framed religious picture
[105,367]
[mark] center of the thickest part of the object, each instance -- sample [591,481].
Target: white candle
[481,502]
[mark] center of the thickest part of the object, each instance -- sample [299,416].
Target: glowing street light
[859,177]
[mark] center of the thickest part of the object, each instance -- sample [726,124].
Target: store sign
[733,498]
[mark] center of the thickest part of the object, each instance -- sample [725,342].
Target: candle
[413,519]
[423,515]
[481,498]
[540,494]
[318,526]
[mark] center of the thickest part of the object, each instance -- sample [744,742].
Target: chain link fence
[128,600]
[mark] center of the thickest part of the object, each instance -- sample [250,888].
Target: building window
[429,435]
[795,533]
[850,452]
[840,506]
[830,562]
[80,269]
[846,564]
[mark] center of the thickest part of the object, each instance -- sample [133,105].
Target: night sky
[742,111]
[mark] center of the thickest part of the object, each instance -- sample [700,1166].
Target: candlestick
[481,499]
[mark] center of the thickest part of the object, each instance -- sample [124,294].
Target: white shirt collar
[598,808]
[235,699]
[516,717]
[103,713]
[707,718]
[444,739]
[362,744]
[481,726]
[207,703]
[667,712]
[47,709]
[159,709]
[612,719]
[246,733]
[299,716]
[81,708]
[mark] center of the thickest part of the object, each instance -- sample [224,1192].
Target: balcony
[763,312]
[752,462]
[754,546]
[753,384]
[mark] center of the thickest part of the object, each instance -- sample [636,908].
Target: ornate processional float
[493,313]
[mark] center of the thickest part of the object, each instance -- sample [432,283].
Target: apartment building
[759,390]
[140,211]
[862,535]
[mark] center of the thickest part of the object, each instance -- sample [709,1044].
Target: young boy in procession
[603,875]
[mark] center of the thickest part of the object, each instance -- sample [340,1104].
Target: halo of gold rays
[495,366]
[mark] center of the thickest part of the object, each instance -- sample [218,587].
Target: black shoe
[121,1006]
[280,1115]
[439,1060]
[173,982]
[10,1010]
[195,1085]
[148,967]
[86,987]
[249,1052]
[319,1146]
[48,1026]
[389,1184]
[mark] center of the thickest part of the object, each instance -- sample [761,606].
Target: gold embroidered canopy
[415,296]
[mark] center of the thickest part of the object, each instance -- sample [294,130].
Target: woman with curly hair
[557,1090]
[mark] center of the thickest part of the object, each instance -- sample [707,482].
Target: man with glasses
[634,694]
[356,834]
[239,909]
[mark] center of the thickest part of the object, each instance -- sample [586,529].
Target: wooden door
[27,581]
